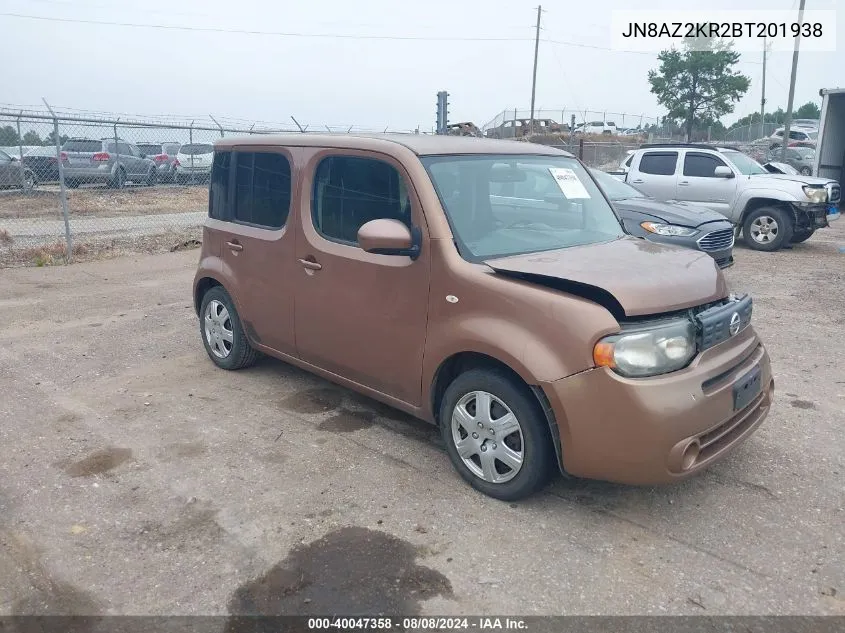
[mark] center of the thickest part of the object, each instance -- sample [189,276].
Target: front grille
[717,240]
[834,194]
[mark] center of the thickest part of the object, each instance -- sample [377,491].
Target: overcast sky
[346,81]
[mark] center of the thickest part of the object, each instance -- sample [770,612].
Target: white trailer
[830,148]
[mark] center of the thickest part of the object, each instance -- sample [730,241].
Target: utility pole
[788,122]
[763,96]
[534,77]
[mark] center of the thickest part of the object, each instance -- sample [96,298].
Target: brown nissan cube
[530,328]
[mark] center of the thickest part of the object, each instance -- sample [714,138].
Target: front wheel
[806,171]
[767,229]
[222,333]
[152,177]
[29,181]
[496,434]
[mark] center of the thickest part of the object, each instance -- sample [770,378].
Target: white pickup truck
[771,210]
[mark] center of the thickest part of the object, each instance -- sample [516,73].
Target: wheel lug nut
[480,425]
[475,436]
[495,446]
[483,448]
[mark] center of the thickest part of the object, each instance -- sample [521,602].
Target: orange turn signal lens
[603,355]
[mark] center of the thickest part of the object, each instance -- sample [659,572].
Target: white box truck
[830,147]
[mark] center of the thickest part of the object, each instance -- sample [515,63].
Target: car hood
[629,276]
[804,180]
[670,212]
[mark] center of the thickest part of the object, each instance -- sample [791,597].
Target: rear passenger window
[662,164]
[262,189]
[701,165]
[350,191]
[218,195]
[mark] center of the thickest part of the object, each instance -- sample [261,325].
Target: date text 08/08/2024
[418,624]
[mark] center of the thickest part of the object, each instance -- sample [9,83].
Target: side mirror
[389,237]
[723,172]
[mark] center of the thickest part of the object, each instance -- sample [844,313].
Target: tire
[528,437]
[233,355]
[179,179]
[806,171]
[29,181]
[802,235]
[767,229]
[152,177]
[119,180]
[72,183]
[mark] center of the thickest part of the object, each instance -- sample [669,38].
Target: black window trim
[718,159]
[231,196]
[339,153]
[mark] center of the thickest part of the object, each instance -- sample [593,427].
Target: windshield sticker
[568,182]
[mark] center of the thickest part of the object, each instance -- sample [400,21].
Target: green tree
[51,139]
[697,86]
[31,138]
[808,111]
[8,136]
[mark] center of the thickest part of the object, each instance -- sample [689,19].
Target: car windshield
[171,148]
[150,150]
[196,148]
[746,165]
[503,205]
[614,188]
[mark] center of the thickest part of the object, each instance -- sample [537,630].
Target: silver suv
[106,162]
[771,210]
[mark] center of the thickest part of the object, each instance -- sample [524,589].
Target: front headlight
[668,229]
[815,194]
[648,351]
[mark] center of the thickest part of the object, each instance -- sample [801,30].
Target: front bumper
[660,429]
[812,216]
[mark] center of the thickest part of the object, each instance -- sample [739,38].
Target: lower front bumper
[660,429]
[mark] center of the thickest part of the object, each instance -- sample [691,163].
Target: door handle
[235,246]
[638,181]
[683,183]
[310,264]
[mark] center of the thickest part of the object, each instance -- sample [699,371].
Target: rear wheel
[496,434]
[119,179]
[802,235]
[29,181]
[767,229]
[222,333]
[152,177]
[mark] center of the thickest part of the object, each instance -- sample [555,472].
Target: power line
[210,29]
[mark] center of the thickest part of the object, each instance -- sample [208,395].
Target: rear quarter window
[659,163]
[218,195]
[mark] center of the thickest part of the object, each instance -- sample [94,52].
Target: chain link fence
[76,186]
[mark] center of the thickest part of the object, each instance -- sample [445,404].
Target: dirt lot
[137,479]
[104,202]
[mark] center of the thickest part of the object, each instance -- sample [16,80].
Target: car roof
[420,144]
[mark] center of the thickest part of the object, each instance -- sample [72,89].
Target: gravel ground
[138,479]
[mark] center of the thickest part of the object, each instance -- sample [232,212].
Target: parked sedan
[13,174]
[43,163]
[670,222]
[193,162]
[801,158]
